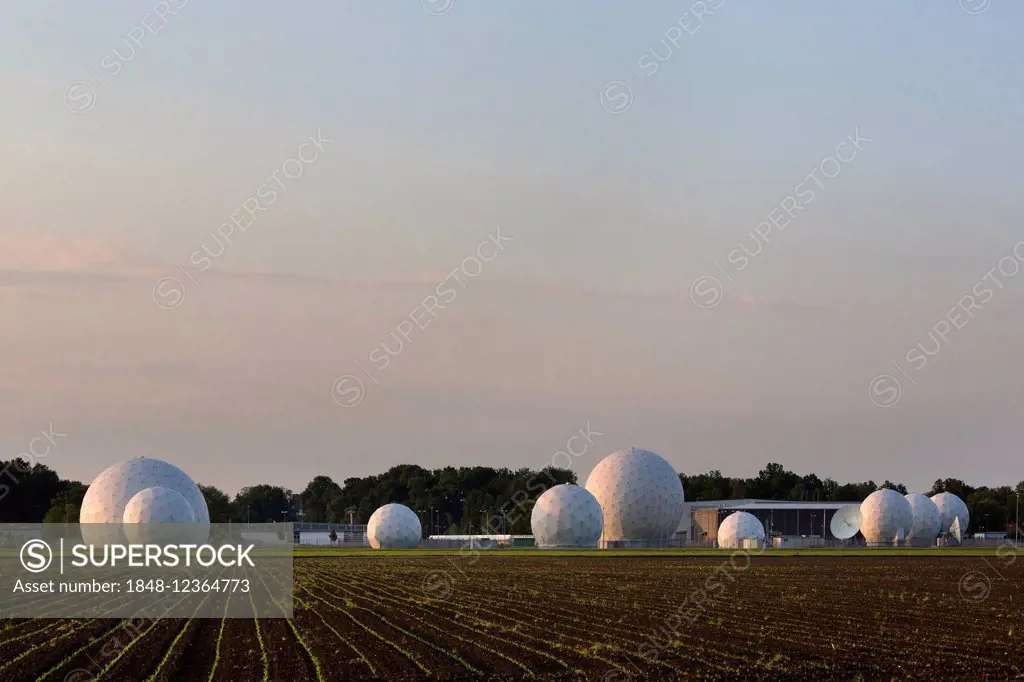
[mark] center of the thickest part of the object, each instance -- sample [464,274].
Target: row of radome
[631,495]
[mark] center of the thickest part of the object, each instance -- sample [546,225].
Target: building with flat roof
[781,519]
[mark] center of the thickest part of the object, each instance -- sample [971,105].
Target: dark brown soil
[598,618]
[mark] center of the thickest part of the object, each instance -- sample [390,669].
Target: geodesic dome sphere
[567,516]
[927,520]
[737,527]
[394,526]
[888,517]
[639,493]
[950,507]
[109,493]
[158,505]
[157,515]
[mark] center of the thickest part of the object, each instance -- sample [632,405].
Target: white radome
[394,526]
[109,493]
[640,495]
[951,507]
[155,515]
[158,505]
[737,527]
[567,516]
[888,518]
[927,521]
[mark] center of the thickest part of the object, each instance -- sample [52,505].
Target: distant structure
[888,518]
[319,534]
[951,507]
[739,530]
[641,497]
[394,526]
[927,521]
[789,524]
[567,516]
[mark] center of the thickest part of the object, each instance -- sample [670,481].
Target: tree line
[465,499]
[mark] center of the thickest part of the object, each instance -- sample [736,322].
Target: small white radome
[737,527]
[567,516]
[394,526]
[951,507]
[159,516]
[888,518]
[158,505]
[927,521]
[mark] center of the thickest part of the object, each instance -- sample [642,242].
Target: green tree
[317,499]
[66,506]
[262,503]
[218,504]
[27,491]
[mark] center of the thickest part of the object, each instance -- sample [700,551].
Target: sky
[724,229]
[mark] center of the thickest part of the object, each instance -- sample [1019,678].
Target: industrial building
[786,523]
[346,534]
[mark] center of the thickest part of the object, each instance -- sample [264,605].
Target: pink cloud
[47,253]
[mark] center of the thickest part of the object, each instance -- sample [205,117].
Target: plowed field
[602,618]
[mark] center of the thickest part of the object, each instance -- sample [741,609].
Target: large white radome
[567,516]
[640,495]
[394,526]
[951,507]
[737,527]
[927,521]
[888,517]
[109,494]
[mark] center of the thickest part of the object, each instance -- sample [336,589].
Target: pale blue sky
[490,114]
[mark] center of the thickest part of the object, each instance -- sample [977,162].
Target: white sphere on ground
[109,493]
[567,516]
[158,505]
[888,517]
[927,520]
[951,507]
[737,527]
[156,515]
[394,526]
[640,494]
